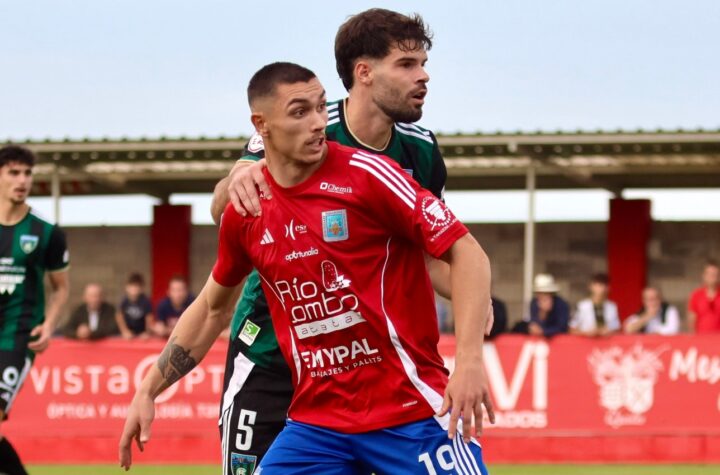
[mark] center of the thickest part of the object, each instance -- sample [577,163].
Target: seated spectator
[656,316]
[704,304]
[499,318]
[93,319]
[172,306]
[135,317]
[596,315]
[549,313]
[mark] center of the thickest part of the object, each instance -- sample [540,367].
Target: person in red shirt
[351,302]
[704,304]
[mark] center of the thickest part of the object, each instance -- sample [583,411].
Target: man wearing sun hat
[549,313]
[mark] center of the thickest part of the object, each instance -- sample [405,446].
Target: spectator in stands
[655,316]
[172,306]
[135,316]
[500,318]
[704,304]
[549,313]
[596,315]
[93,319]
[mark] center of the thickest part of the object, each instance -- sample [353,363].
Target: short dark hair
[710,262]
[267,78]
[136,278]
[178,278]
[600,278]
[373,33]
[16,154]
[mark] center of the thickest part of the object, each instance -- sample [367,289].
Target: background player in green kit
[380,57]
[29,248]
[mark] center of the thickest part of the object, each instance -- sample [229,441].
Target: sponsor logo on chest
[333,188]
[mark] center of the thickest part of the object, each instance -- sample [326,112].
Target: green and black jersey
[417,152]
[27,250]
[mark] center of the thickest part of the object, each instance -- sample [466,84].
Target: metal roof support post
[55,191]
[529,255]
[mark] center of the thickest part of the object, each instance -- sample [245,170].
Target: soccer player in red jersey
[351,302]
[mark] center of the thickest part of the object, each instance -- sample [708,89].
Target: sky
[179,68]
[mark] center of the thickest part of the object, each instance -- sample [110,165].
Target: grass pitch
[494,470]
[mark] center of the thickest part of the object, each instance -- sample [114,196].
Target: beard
[395,106]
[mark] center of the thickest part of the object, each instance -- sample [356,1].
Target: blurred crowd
[596,315]
[549,313]
[133,317]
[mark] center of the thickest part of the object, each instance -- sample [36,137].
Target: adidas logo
[267,238]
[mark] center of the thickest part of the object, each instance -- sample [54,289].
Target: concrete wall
[569,251]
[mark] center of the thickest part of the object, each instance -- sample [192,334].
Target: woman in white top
[596,315]
[656,316]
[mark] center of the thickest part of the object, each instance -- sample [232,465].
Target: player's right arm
[241,185]
[196,331]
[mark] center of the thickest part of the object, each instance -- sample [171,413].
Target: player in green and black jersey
[380,56]
[30,248]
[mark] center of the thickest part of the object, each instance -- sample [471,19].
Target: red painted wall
[627,240]
[170,246]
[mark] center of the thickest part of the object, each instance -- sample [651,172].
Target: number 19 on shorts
[444,457]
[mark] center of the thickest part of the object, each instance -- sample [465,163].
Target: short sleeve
[406,208]
[57,256]
[438,172]
[232,263]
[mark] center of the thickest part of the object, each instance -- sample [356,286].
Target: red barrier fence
[623,398]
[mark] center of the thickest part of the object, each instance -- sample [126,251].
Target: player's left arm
[439,270]
[57,263]
[468,387]
[412,212]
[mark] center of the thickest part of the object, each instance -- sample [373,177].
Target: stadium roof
[562,160]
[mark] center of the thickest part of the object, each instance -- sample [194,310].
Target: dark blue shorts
[421,448]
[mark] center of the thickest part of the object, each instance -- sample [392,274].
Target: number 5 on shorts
[246,419]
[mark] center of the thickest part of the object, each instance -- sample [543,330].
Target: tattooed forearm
[175,362]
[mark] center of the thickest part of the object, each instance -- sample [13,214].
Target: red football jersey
[341,260]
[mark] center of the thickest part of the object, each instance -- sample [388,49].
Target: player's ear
[363,71]
[258,120]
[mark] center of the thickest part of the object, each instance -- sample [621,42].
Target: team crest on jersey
[242,464]
[435,213]
[28,243]
[256,143]
[335,225]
